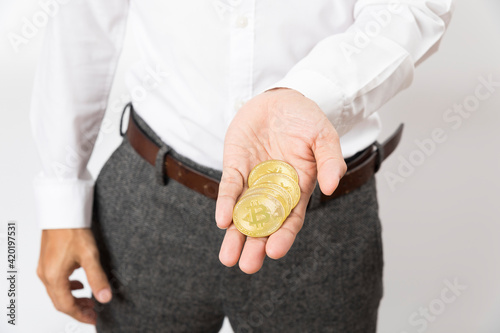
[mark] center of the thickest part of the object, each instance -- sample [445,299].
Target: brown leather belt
[360,168]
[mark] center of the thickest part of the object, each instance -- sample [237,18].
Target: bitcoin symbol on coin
[258,216]
[273,191]
[276,170]
[288,188]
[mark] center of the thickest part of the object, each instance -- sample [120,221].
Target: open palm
[278,124]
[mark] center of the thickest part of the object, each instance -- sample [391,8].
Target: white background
[440,224]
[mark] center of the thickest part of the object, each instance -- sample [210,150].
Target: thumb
[97,279]
[330,162]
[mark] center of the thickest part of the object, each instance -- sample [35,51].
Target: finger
[231,246]
[96,277]
[86,307]
[253,254]
[84,302]
[230,188]
[329,160]
[65,302]
[75,285]
[282,240]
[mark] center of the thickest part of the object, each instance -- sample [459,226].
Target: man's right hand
[62,251]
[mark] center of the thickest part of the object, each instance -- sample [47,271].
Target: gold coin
[284,181]
[282,193]
[271,166]
[258,215]
[272,189]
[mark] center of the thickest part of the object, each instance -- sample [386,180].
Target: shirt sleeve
[81,48]
[352,74]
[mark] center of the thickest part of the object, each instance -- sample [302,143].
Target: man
[221,86]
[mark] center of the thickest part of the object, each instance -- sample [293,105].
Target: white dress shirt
[201,60]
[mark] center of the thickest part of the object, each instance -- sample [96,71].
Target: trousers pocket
[109,162]
[351,271]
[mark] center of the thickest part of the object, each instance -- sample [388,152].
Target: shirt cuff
[314,86]
[61,204]
[323,91]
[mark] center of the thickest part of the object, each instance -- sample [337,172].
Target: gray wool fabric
[159,246]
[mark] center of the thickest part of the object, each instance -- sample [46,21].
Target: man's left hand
[278,124]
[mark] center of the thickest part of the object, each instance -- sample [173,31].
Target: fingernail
[104,295]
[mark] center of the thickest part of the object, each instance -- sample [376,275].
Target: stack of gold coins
[273,191]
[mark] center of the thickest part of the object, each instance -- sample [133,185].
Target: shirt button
[242,22]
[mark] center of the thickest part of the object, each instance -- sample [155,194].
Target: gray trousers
[159,246]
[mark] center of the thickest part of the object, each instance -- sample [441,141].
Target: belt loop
[128,105]
[160,175]
[379,155]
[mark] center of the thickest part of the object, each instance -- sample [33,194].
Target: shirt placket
[242,22]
